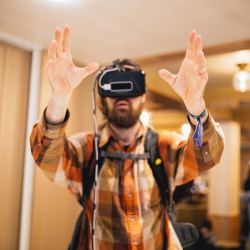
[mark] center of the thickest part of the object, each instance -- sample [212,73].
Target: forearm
[57,107]
[59,158]
[194,159]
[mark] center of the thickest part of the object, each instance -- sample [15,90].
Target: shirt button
[136,243]
[44,129]
[206,153]
[128,172]
[130,196]
[132,219]
[39,144]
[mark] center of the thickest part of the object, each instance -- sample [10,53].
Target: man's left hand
[192,77]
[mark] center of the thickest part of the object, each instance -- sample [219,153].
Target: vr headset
[115,81]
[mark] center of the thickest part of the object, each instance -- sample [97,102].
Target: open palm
[64,76]
[191,80]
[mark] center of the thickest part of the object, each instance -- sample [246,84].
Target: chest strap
[124,156]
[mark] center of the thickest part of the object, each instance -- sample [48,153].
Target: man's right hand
[63,75]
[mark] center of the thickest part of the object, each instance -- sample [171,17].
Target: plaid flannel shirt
[129,212]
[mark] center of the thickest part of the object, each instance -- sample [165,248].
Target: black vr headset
[115,81]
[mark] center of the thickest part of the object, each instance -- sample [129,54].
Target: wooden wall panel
[14,92]
[55,209]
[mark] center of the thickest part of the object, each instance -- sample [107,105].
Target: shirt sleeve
[184,160]
[61,159]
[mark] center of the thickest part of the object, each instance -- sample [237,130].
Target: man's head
[122,111]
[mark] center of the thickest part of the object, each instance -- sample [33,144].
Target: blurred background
[35,213]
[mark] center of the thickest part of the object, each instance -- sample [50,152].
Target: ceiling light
[241,79]
[62,1]
[186,129]
[145,118]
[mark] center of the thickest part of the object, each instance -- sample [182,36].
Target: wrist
[197,110]
[57,107]
[202,117]
[199,120]
[198,117]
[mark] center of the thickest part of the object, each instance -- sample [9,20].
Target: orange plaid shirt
[129,212]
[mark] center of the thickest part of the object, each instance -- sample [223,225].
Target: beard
[121,118]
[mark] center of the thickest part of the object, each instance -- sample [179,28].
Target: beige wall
[14,89]
[224,186]
[55,209]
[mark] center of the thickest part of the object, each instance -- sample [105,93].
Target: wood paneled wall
[14,93]
[55,209]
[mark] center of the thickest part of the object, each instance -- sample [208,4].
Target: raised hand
[191,80]
[64,76]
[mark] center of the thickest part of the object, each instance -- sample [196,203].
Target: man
[129,212]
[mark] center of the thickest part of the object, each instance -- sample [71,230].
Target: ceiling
[156,34]
[103,30]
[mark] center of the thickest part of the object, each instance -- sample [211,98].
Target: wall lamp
[241,79]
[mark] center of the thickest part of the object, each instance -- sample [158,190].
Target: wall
[14,90]
[55,209]
[224,186]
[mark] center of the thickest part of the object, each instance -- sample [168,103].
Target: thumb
[167,76]
[89,69]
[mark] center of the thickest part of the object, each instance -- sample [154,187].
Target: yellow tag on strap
[158,161]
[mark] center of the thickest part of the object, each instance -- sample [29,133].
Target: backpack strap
[88,175]
[76,235]
[87,184]
[156,164]
[186,232]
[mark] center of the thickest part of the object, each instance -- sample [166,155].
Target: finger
[190,48]
[58,38]
[89,69]
[66,39]
[197,48]
[201,61]
[167,76]
[52,50]
[204,78]
[49,68]
[204,74]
